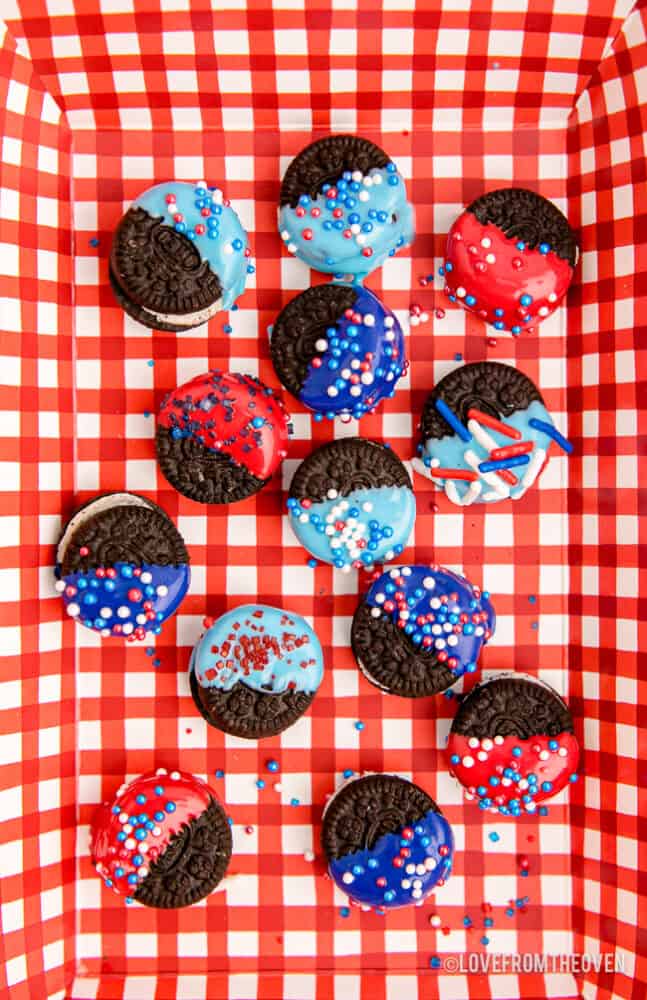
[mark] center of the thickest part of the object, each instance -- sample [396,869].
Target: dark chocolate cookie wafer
[512,744]
[344,207]
[178,256]
[165,841]
[221,437]
[365,825]
[255,671]
[485,434]
[121,566]
[526,216]
[351,503]
[338,349]
[420,628]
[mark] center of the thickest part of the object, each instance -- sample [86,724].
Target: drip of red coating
[511,450]
[494,424]
[465,474]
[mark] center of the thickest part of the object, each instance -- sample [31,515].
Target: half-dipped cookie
[255,670]
[122,567]
[338,350]
[163,841]
[512,744]
[344,207]
[351,503]
[510,259]
[420,628]
[179,256]
[485,434]
[221,437]
[386,842]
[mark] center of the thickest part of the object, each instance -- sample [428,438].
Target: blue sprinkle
[157,663]
[260,783]
[544,248]
[219,773]
[573,778]
[230,820]
[344,912]
[525,300]
[273,766]
[458,357]
[534,626]
[521,245]
[516,751]
[140,800]
[149,652]
[494,837]
[150,363]
[251,269]
[312,563]
[434,962]
[485,940]
[94,242]
[449,266]
[499,312]
[359,726]
[524,873]
[532,599]
[348,773]
[228,328]
[467,921]
[488,922]
[294,802]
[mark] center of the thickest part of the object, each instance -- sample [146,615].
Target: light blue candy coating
[329,251]
[283,667]
[231,268]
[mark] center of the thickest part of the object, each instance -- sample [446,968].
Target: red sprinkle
[315,212]
[367,252]
[205,212]
[307,234]
[337,213]
[440,314]
[494,424]
[134,595]
[84,551]
[200,229]
[492,341]
[178,218]
[511,450]
[300,210]
[465,474]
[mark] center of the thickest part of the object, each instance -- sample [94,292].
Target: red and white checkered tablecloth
[101,98]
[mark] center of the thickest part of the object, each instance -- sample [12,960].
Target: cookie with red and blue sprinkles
[221,437]
[387,843]
[343,206]
[255,670]
[485,434]
[179,256]
[351,503]
[510,259]
[512,745]
[164,840]
[338,350]
[122,568]
[420,628]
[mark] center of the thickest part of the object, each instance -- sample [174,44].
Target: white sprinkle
[321,344]
[360,240]
[410,869]
[435,921]
[436,629]
[367,378]
[146,577]
[337,510]
[467,761]
[142,871]
[141,619]
[162,590]
[389,321]
[452,640]
[367,506]
[473,742]
[329,530]
[481,755]
[156,831]
[142,846]
[486,242]
[544,755]
[128,828]
[414,320]
[406,571]
[506,781]
[460,292]
[128,628]
[479,630]
[161,770]
[355,228]
[105,632]
[73,610]
[424,317]
[59,586]
[377,178]
[404,615]
[123,817]
[562,752]
[364,196]
[405,883]
[355,363]
[375,612]
[369,320]
[434,603]
[523,784]
[487,743]
[332,390]
[335,543]
[490,258]
[123,611]
[106,612]
[552,297]
[543,310]
[332,494]
[439,643]
[129,843]
[367,181]
[420,870]
[344,505]
[357,175]
[308,856]
[285,234]
[291,248]
[174,775]
[447,627]
[347,878]
[346,568]
[416,893]
[228,249]
[498,740]
[430,864]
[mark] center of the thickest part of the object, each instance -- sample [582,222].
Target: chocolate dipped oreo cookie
[420,628]
[510,259]
[255,671]
[386,842]
[338,350]
[512,745]
[122,567]
[485,434]
[179,256]
[164,840]
[351,503]
[221,437]
[344,207]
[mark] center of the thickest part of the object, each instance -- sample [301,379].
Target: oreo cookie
[338,350]
[344,207]
[420,628]
[179,256]
[255,671]
[510,259]
[221,437]
[485,434]
[164,841]
[122,567]
[351,504]
[512,745]
[386,841]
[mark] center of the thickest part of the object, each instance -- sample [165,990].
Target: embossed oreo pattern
[345,465]
[249,714]
[324,161]
[525,215]
[512,706]
[202,474]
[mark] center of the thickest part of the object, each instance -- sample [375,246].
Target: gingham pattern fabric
[464,99]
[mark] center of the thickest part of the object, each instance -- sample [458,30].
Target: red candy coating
[259,449]
[501,283]
[555,768]
[190,796]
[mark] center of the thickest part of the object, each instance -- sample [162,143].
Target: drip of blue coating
[450,450]
[457,614]
[366,525]
[371,878]
[266,648]
[358,363]
[102,602]
[374,209]
[224,241]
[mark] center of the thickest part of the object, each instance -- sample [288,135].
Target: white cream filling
[187,319]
